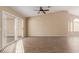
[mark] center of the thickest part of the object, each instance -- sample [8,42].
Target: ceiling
[29,11]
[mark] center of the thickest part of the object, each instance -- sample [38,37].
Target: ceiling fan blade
[49,6]
[44,12]
[41,9]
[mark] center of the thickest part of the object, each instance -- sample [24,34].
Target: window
[74,25]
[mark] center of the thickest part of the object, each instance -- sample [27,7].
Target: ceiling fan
[41,9]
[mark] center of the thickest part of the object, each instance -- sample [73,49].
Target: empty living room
[39,29]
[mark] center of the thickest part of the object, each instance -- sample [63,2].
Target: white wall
[53,24]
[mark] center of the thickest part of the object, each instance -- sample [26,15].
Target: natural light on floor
[19,47]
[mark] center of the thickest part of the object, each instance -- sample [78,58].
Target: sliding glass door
[11,31]
[9,28]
